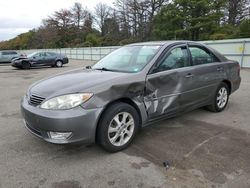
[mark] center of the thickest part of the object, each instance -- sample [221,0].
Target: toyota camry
[128,89]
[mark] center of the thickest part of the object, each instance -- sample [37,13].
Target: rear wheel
[220,98]
[26,65]
[118,126]
[59,63]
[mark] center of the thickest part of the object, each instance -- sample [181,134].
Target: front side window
[38,55]
[128,58]
[34,54]
[176,58]
[201,56]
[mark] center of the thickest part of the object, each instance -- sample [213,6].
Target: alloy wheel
[222,97]
[121,129]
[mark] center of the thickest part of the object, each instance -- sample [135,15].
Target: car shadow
[5,64]
[39,68]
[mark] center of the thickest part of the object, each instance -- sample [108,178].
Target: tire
[220,98]
[59,63]
[26,65]
[117,127]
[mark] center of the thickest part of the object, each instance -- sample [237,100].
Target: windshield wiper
[104,69]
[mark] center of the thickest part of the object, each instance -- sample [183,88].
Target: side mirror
[34,57]
[88,67]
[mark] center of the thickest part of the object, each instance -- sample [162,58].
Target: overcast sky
[18,16]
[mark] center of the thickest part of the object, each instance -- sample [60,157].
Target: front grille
[36,100]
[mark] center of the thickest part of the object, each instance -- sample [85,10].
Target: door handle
[219,68]
[189,75]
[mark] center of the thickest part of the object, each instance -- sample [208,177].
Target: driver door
[167,81]
[37,59]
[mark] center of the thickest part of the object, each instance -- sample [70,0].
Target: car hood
[20,58]
[75,81]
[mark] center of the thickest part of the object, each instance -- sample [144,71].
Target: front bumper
[16,64]
[81,122]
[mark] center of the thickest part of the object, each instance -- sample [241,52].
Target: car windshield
[127,59]
[31,55]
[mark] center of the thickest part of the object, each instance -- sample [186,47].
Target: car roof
[160,43]
[8,51]
[170,42]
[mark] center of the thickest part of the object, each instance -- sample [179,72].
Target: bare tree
[60,19]
[136,16]
[78,14]
[111,27]
[88,22]
[102,11]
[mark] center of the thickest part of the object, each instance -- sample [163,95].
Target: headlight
[66,101]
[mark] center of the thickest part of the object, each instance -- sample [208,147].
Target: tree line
[130,21]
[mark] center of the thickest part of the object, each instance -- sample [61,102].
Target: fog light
[60,135]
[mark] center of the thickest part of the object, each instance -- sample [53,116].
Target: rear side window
[202,56]
[50,54]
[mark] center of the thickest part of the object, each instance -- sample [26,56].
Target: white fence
[89,53]
[236,49]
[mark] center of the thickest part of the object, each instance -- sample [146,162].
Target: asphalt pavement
[200,148]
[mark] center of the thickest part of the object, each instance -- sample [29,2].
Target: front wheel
[220,98]
[26,65]
[118,126]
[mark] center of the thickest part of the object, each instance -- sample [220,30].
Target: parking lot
[204,149]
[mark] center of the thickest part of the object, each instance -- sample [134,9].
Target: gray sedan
[128,89]
[7,56]
[37,59]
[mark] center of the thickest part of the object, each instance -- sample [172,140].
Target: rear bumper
[80,122]
[65,60]
[235,85]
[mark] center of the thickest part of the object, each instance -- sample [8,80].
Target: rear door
[170,76]
[50,58]
[209,72]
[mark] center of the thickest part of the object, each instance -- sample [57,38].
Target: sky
[19,16]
